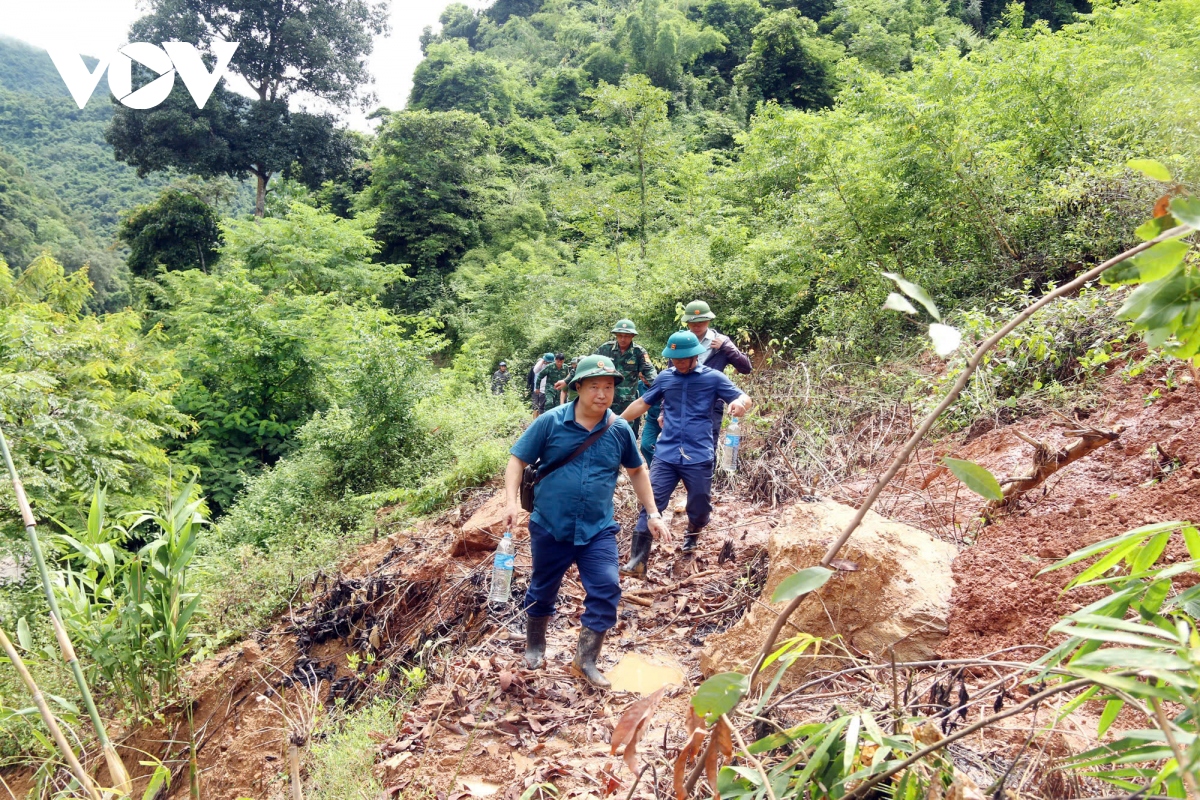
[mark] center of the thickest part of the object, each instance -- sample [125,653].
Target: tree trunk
[642,176]
[260,194]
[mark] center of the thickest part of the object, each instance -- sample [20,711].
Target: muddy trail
[484,726]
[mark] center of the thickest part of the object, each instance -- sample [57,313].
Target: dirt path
[483,721]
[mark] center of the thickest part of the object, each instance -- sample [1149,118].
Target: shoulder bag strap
[588,442]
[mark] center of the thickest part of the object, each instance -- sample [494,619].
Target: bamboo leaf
[1111,709]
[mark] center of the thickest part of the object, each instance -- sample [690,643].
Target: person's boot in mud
[691,539]
[584,665]
[535,642]
[639,555]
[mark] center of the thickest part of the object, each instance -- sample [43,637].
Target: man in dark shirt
[572,520]
[686,451]
[500,378]
[719,352]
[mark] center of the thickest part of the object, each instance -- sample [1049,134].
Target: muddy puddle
[644,674]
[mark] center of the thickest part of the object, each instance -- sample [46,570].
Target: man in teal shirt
[572,520]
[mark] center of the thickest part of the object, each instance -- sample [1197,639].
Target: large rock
[899,595]
[481,533]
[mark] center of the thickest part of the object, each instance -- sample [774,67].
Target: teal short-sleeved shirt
[575,502]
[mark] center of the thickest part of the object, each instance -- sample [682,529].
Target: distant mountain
[63,145]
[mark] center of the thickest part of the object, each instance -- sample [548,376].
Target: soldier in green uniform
[552,376]
[633,362]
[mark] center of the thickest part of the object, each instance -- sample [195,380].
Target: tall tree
[176,231]
[428,180]
[790,62]
[640,111]
[288,49]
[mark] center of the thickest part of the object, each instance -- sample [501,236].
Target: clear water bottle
[502,570]
[730,444]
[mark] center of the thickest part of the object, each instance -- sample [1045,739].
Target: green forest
[291,363]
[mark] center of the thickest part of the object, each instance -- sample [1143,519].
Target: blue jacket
[687,403]
[575,502]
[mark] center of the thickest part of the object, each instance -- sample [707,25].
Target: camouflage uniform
[633,363]
[553,374]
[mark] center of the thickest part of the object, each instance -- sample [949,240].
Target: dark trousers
[697,479]
[597,563]
[649,441]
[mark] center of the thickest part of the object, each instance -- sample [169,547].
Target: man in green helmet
[550,378]
[633,362]
[579,448]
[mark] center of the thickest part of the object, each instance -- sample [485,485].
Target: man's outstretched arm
[512,489]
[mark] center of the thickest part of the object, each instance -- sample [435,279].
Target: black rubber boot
[639,555]
[691,539]
[584,665]
[535,642]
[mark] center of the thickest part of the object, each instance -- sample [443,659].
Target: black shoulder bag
[533,475]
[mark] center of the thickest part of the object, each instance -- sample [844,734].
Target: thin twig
[753,761]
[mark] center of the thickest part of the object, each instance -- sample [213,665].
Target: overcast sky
[98,26]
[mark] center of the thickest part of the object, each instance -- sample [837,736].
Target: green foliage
[262,341]
[1052,359]
[428,181]
[132,612]
[663,42]
[177,231]
[790,63]
[978,479]
[318,49]
[342,755]
[1138,643]
[453,78]
[32,221]
[83,398]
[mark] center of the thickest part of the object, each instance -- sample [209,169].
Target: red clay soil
[1150,474]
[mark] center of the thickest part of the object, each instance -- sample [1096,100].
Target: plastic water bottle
[730,444]
[502,570]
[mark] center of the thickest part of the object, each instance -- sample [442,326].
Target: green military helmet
[698,311]
[548,357]
[596,367]
[682,344]
[625,326]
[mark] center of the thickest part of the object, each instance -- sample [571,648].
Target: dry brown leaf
[632,725]
[844,564]
[964,788]
[691,749]
[505,680]
[722,746]
[926,734]
[1162,207]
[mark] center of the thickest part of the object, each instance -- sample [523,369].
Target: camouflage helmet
[698,311]
[596,367]
[625,326]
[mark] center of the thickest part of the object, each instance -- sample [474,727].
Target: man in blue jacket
[686,451]
[572,520]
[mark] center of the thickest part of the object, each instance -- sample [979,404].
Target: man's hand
[739,407]
[560,384]
[717,342]
[658,528]
[512,516]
